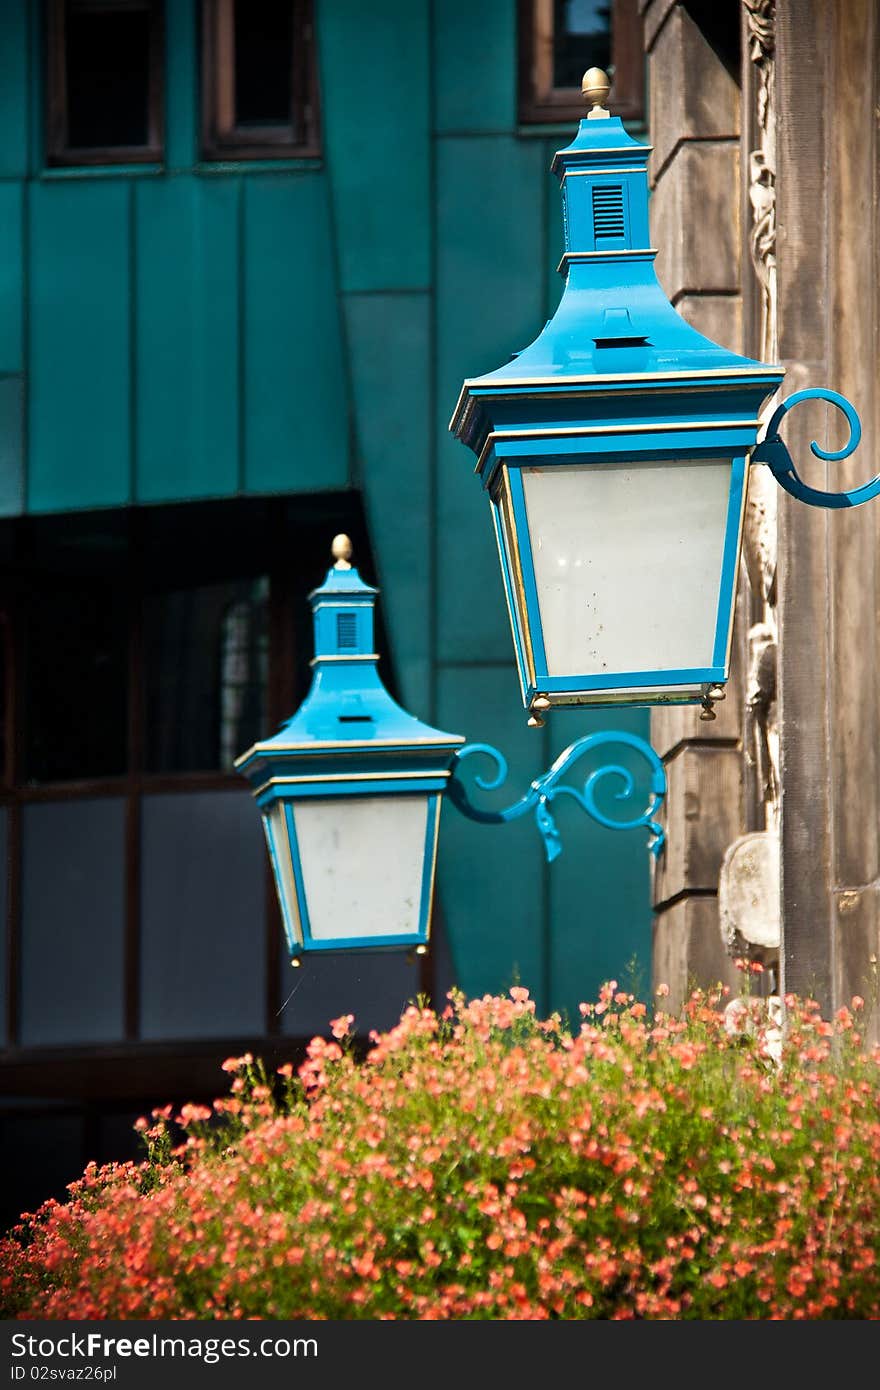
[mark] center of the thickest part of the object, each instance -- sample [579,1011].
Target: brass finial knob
[341,551]
[595,87]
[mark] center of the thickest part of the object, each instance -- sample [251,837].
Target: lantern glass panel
[628,560]
[363,861]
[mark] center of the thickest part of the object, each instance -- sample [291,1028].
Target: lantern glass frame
[288,844]
[682,684]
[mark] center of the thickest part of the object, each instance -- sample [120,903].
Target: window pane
[206,656]
[76,657]
[73,921]
[263,43]
[203,945]
[108,75]
[581,39]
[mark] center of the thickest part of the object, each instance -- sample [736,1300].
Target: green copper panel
[491,878]
[186,338]
[490,299]
[475,65]
[555,236]
[14,75]
[182,61]
[79,348]
[295,396]
[11,445]
[11,277]
[390,355]
[375,92]
[600,917]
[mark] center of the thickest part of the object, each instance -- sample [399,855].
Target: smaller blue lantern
[350,789]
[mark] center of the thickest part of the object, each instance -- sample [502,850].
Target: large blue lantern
[349,790]
[615,451]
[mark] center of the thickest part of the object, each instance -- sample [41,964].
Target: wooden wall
[827,93]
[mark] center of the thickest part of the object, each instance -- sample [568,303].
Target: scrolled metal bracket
[548,786]
[772,451]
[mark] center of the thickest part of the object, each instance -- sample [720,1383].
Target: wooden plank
[376,132]
[295,399]
[187,338]
[717,316]
[855,535]
[703,817]
[389,345]
[79,349]
[490,304]
[14,88]
[688,952]
[857,929]
[692,95]
[11,278]
[802,49]
[474,63]
[695,219]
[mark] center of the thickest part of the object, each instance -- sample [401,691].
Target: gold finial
[341,551]
[595,87]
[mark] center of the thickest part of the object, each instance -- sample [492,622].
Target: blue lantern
[349,790]
[615,452]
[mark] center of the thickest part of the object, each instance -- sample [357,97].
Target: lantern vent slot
[620,342]
[355,718]
[608,217]
[346,630]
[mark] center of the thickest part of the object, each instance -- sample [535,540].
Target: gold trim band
[615,149]
[321,745]
[351,777]
[584,430]
[735,374]
[364,656]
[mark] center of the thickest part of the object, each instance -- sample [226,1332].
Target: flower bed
[486,1164]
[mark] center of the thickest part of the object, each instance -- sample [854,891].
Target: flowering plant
[483,1163]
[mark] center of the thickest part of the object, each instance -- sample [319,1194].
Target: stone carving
[760,532]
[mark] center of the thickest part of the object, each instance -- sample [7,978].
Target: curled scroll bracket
[773,451]
[548,786]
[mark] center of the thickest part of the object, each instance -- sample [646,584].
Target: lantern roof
[614,328]
[348,713]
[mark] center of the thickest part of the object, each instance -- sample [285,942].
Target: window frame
[59,153]
[221,139]
[539,102]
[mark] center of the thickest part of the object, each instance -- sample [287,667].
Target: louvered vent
[346,631]
[608,220]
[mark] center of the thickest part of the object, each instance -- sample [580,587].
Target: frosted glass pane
[73,921]
[203,938]
[627,562]
[362,861]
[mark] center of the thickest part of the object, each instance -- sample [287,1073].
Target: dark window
[75,671]
[104,83]
[206,658]
[560,39]
[259,85]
